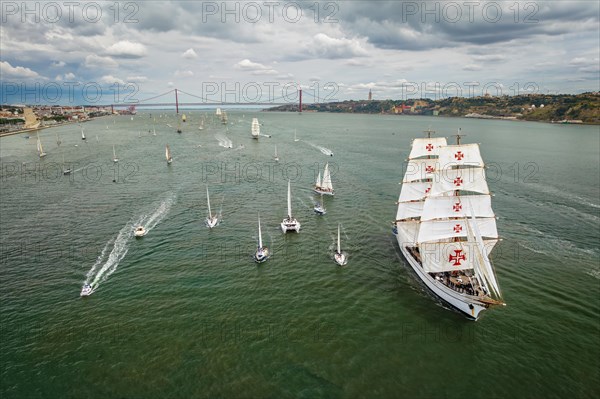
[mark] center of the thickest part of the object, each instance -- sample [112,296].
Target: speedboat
[319,210]
[212,221]
[140,231]
[261,254]
[86,290]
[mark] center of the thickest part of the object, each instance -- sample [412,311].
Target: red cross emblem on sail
[457,257]
[458,181]
[429,169]
[427,190]
[457,228]
[457,207]
[459,155]
[429,147]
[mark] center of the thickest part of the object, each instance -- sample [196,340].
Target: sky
[263,51]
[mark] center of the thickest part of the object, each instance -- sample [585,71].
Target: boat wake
[149,222]
[105,266]
[324,150]
[224,141]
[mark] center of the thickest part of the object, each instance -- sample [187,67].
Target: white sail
[339,246]
[114,152]
[407,232]
[318,183]
[414,191]
[208,203]
[426,147]
[449,256]
[436,230]
[455,206]
[327,178]
[407,210]
[482,265]
[463,154]
[468,179]
[420,169]
[255,128]
[289,200]
[260,245]
[40,148]
[218,111]
[168,153]
[82,135]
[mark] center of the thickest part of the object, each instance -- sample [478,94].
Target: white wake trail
[324,150]
[149,222]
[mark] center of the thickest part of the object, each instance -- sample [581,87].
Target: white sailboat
[82,134]
[290,223]
[183,118]
[339,256]
[295,137]
[168,154]
[66,169]
[115,159]
[40,148]
[262,252]
[58,142]
[201,127]
[218,112]
[445,225]
[319,208]
[324,186]
[211,221]
[276,158]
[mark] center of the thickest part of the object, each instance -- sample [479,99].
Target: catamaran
[168,155]
[276,158]
[211,221]
[40,149]
[339,256]
[324,186]
[290,223]
[262,252]
[115,159]
[445,225]
[255,129]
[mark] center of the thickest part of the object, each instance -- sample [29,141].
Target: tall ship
[255,129]
[324,186]
[445,225]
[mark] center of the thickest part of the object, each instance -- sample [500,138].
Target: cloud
[183,74]
[127,49]
[137,79]
[255,68]
[58,64]
[472,67]
[324,46]
[109,79]
[95,61]
[189,54]
[17,72]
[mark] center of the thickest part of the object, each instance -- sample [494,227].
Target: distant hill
[565,108]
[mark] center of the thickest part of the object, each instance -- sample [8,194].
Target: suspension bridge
[177,103]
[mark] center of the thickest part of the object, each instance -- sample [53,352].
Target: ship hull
[467,305]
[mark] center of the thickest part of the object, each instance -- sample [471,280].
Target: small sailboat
[201,126]
[339,256]
[218,112]
[445,224]
[168,154]
[290,223]
[183,118]
[255,129]
[40,149]
[66,169]
[296,137]
[82,134]
[58,142]
[262,252]
[115,159]
[276,158]
[86,290]
[319,208]
[154,130]
[224,118]
[139,231]
[211,221]
[178,127]
[324,186]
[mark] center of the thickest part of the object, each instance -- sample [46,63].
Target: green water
[185,312]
